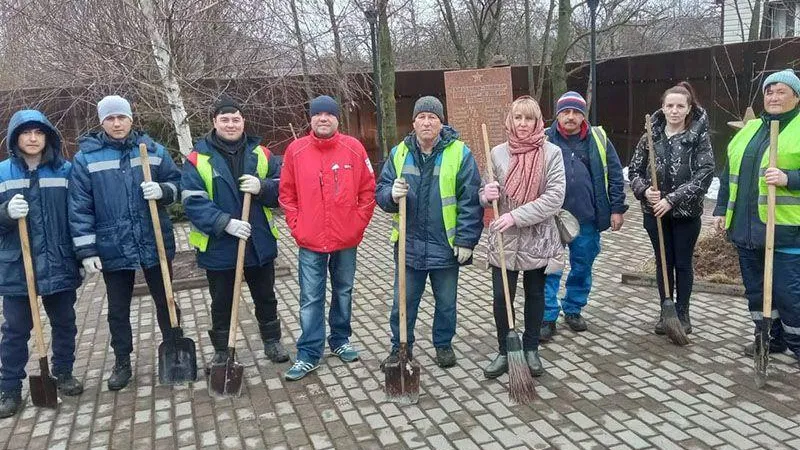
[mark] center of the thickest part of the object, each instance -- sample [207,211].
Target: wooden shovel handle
[162,253]
[30,279]
[651,162]
[401,272]
[504,275]
[774,130]
[292,128]
[237,282]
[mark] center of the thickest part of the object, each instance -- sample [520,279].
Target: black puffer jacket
[684,164]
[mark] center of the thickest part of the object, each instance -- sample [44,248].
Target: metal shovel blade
[43,387]
[761,354]
[226,379]
[177,359]
[402,379]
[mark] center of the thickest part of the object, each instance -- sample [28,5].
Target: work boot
[271,335]
[10,403]
[750,349]
[575,322]
[547,331]
[497,367]
[534,363]
[120,374]
[68,385]
[394,357]
[445,357]
[219,339]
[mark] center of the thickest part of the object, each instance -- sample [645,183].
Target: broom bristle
[673,325]
[521,387]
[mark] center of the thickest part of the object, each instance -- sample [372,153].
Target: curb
[642,279]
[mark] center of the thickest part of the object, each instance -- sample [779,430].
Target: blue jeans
[582,252]
[785,297]
[444,283]
[313,270]
[60,308]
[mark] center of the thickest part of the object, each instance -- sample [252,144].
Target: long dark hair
[685,89]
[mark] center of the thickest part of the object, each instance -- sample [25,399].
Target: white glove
[462,254]
[249,183]
[151,190]
[238,229]
[92,264]
[17,207]
[399,189]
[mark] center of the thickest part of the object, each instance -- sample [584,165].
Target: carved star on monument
[478,77]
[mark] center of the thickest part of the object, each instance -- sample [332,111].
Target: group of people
[92,213]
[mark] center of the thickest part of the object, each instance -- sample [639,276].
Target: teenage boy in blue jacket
[33,184]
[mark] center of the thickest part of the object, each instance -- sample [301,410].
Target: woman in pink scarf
[529,189]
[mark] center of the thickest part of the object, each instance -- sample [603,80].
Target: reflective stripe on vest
[448,163]
[198,239]
[597,132]
[787,202]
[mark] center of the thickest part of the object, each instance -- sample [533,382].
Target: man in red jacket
[327,191]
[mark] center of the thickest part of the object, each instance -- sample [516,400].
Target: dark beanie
[428,104]
[225,105]
[321,104]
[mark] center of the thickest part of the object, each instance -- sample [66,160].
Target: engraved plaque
[479,96]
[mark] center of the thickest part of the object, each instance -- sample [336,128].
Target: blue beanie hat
[787,77]
[323,103]
[571,100]
[113,105]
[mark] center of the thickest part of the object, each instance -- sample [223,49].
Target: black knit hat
[225,105]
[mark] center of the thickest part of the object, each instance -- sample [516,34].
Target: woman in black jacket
[685,166]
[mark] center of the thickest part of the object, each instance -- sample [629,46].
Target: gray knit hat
[429,104]
[113,105]
[787,77]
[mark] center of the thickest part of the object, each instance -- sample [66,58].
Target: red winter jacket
[327,192]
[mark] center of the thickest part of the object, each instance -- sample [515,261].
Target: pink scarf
[525,173]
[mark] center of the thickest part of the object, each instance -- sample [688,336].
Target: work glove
[249,183]
[491,191]
[462,254]
[17,207]
[238,229]
[151,190]
[92,264]
[399,189]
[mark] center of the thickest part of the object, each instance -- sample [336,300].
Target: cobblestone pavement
[615,386]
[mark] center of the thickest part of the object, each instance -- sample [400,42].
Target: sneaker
[575,322]
[299,369]
[394,357]
[547,331]
[497,367]
[120,375]
[659,328]
[10,402]
[68,385]
[445,357]
[346,353]
[275,352]
[750,349]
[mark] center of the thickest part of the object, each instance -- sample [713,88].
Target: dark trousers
[680,237]
[60,308]
[533,283]
[785,294]
[119,287]
[260,279]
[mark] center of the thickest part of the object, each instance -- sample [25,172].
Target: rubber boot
[219,339]
[271,335]
[683,315]
[497,367]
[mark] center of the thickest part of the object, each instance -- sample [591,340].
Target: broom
[672,324]
[521,387]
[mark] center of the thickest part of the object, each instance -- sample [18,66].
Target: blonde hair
[527,106]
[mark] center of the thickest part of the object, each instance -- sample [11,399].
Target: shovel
[672,324]
[226,379]
[761,355]
[43,386]
[177,359]
[402,378]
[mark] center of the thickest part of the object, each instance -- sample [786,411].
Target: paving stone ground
[615,386]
